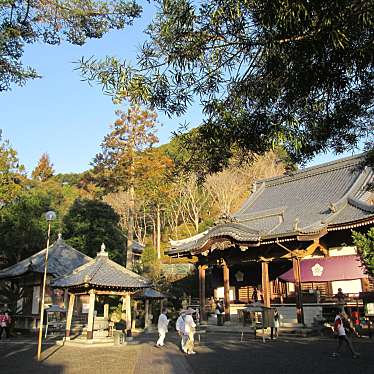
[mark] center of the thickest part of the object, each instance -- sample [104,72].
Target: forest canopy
[297,74]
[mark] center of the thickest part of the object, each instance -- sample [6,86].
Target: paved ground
[217,354]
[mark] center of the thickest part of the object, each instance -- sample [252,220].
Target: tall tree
[154,190]
[365,248]
[52,22]
[12,174]
[23,227]
[89,223]
[44,169]
[295,73]
[121,162]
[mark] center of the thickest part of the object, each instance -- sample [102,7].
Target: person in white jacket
[179,326]
[189,331]
[162,327]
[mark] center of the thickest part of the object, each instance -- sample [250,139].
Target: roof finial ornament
[332,207]
[296,224]
[254,187]
[102,251]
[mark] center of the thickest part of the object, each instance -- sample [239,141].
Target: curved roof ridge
[279,211]
[60,240]
[348,198]
[35,262]
[190,238]
[52,247]
[99,262]
[80,268]
[313,170]
[360,181]
[360,204]
[251,199]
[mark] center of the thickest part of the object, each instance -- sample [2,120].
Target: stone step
[82,342]
[290,324]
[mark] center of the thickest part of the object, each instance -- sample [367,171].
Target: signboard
[219,293]
[369,309]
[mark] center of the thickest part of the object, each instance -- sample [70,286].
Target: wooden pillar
[146,314]
[365,286]
[298,290]
[265,283]
[106,311]
[128,314]
[271,287]
[135,309]
[91,311]
[226,286]
[69,316]
[66,299]
[202,294]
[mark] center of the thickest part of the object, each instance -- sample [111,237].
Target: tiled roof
[137,247]
[149,293]
[102,272]
[304,202]
[62,259]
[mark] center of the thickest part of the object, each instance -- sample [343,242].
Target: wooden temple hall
[292,239]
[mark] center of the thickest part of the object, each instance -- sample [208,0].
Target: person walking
[162,327]
[189,331]
[179,326]
[340,331]
[5,321]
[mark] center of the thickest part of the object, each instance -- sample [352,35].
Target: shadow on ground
[221,355]
[217,354]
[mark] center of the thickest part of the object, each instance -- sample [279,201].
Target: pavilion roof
[149,293]
[62,259]
[330,196]
[137,247]
[102,272]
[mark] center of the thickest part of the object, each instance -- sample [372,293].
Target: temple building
[291,240]
[28,275]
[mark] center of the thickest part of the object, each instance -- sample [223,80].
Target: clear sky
[65,117]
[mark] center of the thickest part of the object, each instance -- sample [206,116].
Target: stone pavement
[18,357]
[312,355]
[217,354]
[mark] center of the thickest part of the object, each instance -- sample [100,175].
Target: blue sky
[65,117]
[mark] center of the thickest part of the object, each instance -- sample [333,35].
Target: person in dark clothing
[340,298]
[255,295]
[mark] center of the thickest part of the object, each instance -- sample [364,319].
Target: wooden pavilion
[286,219]
[147,295]
[100,276]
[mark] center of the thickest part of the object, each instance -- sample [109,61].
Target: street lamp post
[50,216]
